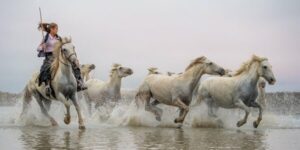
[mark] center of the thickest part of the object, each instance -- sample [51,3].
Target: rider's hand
[43,45]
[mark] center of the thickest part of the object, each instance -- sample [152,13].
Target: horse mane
[246,65]
[152,70]
[114,68]
[55,64]
[195,62]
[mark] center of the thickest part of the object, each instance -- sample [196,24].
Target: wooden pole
[42,27]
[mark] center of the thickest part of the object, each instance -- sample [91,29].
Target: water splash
[126,113]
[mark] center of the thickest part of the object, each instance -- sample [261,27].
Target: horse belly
[162,96]
[222,98]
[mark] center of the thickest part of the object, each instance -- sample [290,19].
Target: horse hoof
[240,123]
[67,119]
[255,124]
[82,127]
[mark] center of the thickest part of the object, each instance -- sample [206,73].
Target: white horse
[175,90]
[101,92]
[238,91]
[63,83]
[85,71]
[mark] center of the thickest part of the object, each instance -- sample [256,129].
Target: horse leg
[67,118]
[100,102]
[80,120]
[256,105]
[39,99]
[183,106]
[210,108]
[158,110]
[240,104]
[148,107]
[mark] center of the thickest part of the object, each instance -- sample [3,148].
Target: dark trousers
[45,71]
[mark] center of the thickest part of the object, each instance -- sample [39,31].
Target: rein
[68,58]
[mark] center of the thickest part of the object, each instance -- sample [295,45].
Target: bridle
[67,57]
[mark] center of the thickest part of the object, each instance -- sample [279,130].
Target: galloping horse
[85,71]
[175,90]
[63,83]
[238,91]
[101,92]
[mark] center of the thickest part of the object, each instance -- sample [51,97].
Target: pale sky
[166,34]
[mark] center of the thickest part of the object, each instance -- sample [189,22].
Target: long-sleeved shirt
[50,44]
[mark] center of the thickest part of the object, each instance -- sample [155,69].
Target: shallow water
[103,137]
[125,127]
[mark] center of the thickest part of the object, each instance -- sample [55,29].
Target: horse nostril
[272,81]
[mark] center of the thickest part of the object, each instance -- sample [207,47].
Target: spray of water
[125,113]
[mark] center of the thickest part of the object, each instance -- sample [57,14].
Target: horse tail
[138,99]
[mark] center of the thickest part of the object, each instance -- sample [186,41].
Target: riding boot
[77,73]
[48,89]
[80,85]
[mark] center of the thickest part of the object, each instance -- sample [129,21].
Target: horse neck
[250,77]
[115,82]
[193,75]
[64,66]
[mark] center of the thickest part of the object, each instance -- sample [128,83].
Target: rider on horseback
[45,49]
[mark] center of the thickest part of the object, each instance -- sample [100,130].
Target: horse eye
[265,67]
[210,63]
[64,49]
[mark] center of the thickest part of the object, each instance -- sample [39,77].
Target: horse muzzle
[221,72]
[129,72]
[92,67]
[272,81]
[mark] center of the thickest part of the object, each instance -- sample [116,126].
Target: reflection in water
[48,138]
[140,138]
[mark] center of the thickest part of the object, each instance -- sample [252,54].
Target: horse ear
[66,40]
[255,57]
[152,69]
[116,65]
[201,59]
